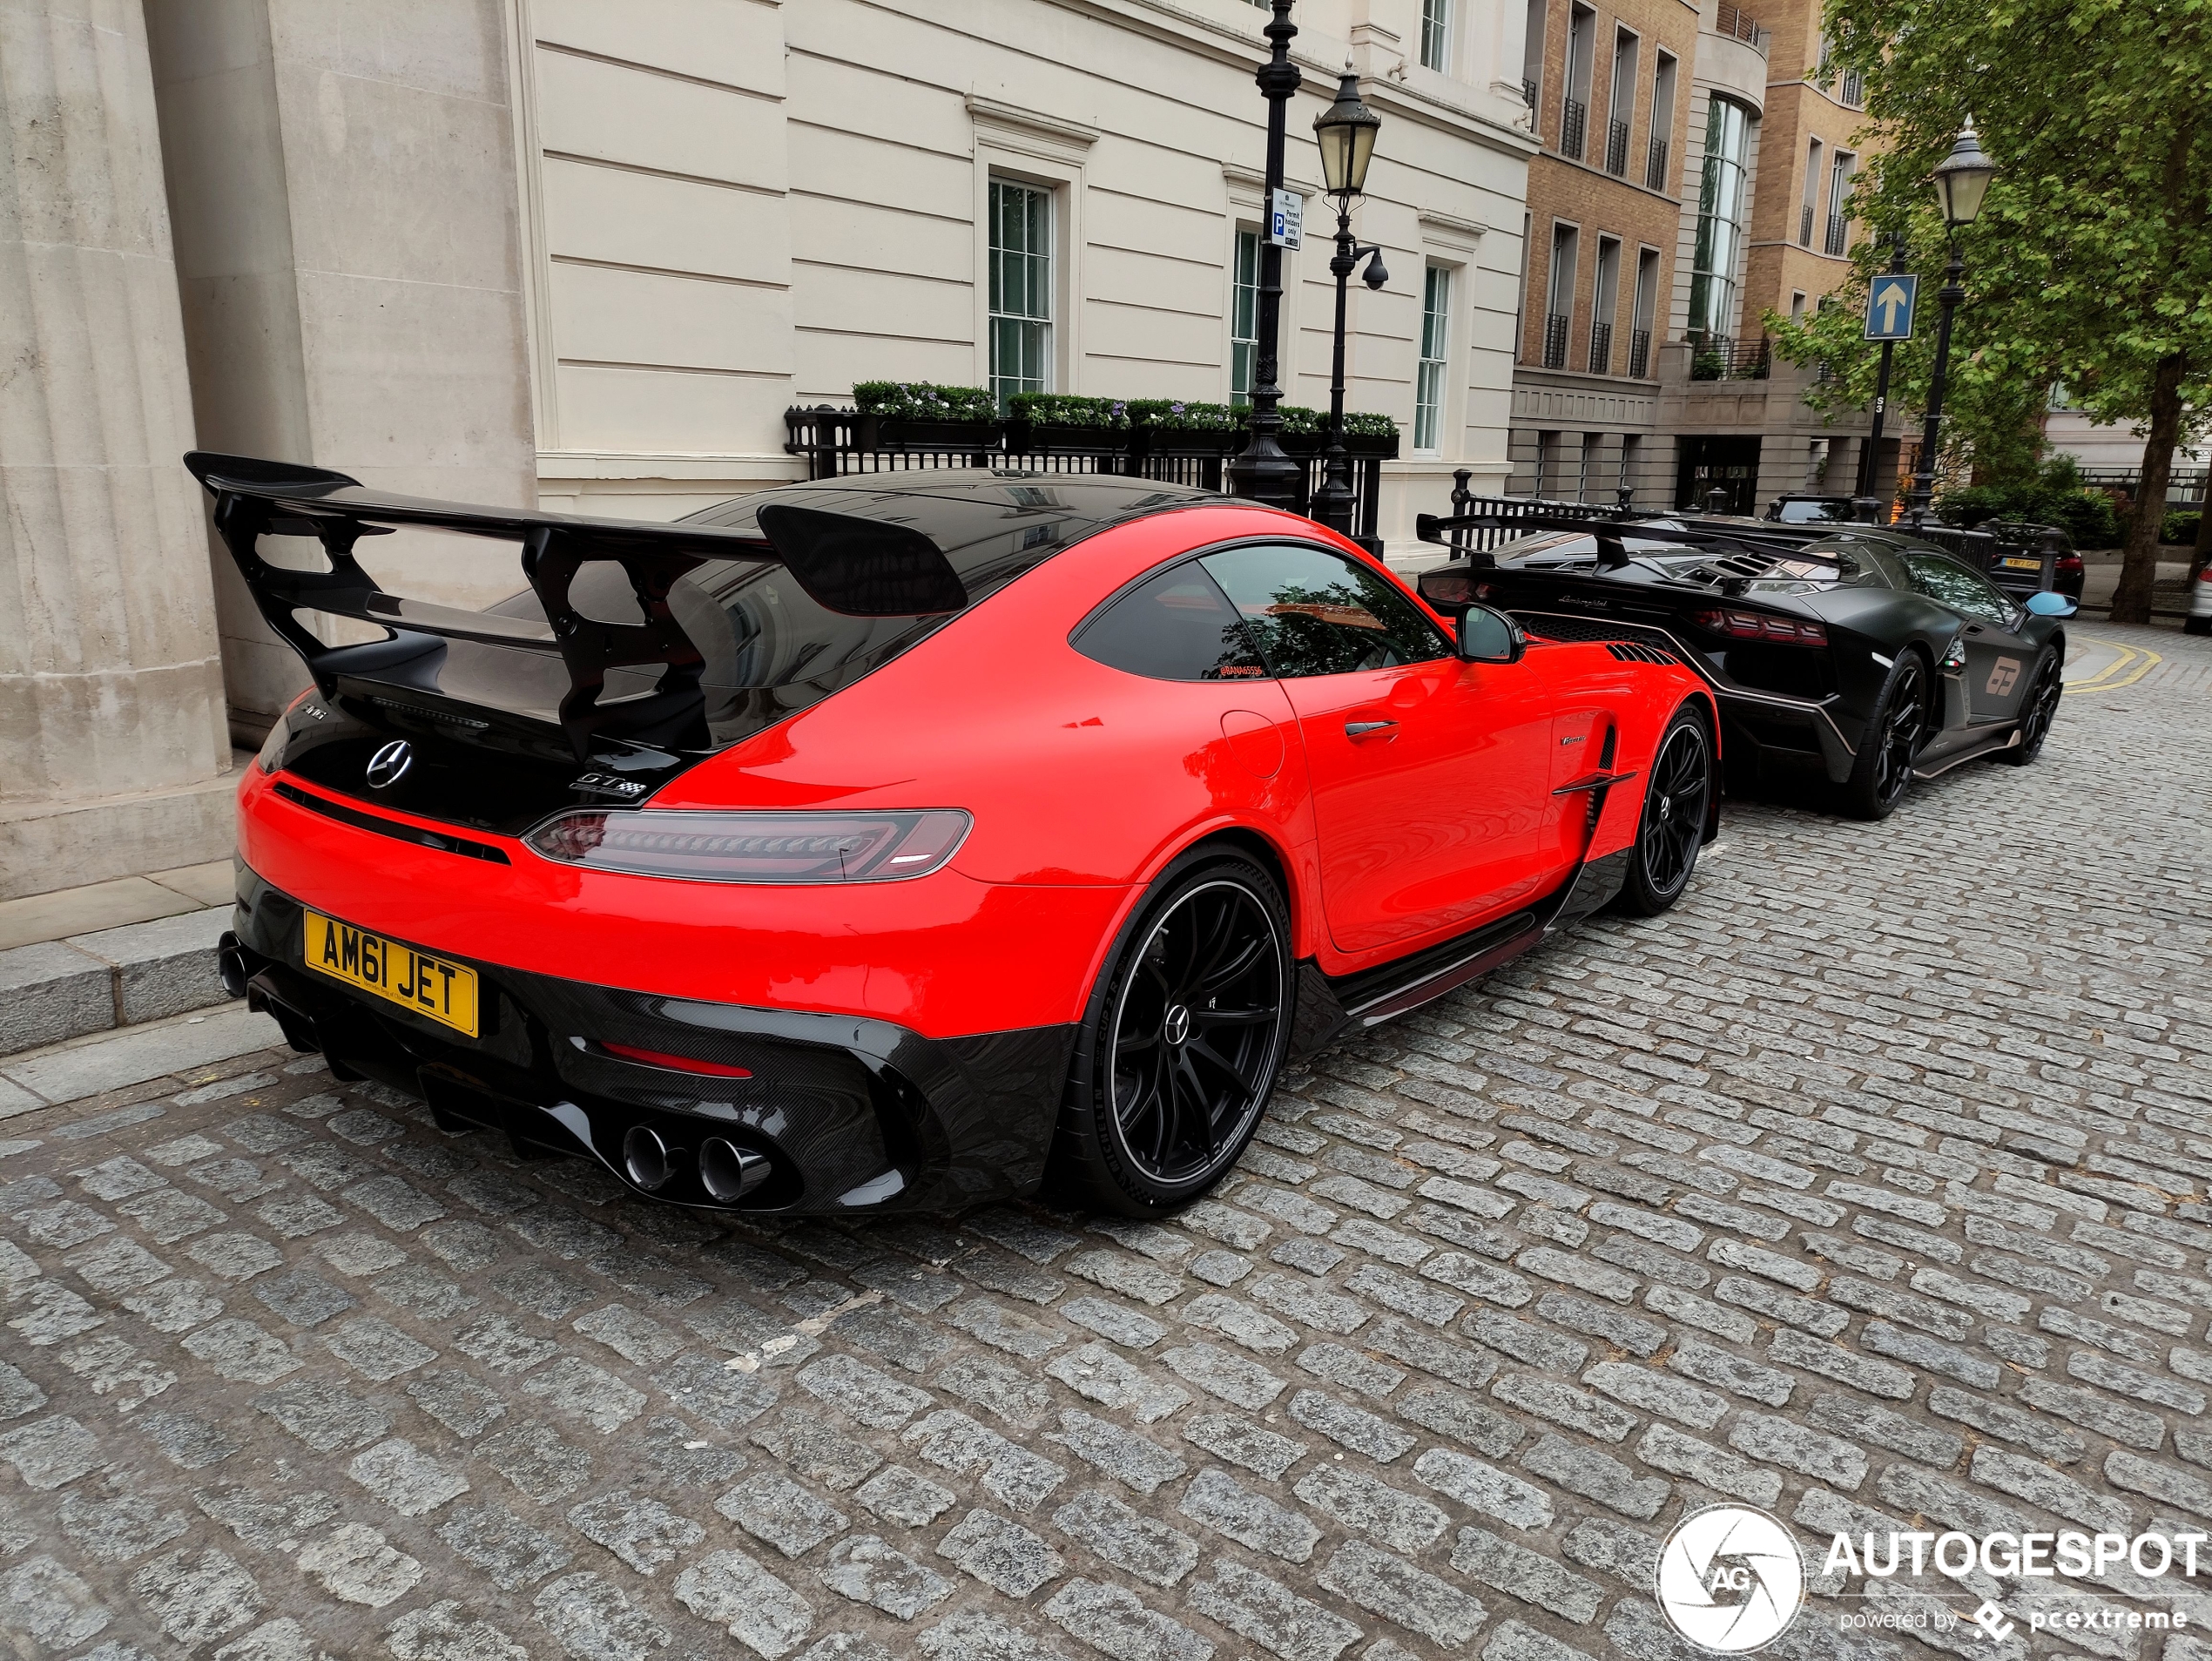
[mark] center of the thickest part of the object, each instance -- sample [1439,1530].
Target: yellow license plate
[431,986]
[2023,565]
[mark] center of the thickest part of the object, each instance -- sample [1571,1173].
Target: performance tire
[2037,713]
[1182,1041]
[1882,771]
[1675,800]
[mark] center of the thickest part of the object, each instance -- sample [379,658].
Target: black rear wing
[1612,533]
[861,568]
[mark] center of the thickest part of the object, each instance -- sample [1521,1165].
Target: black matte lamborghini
[1863,658]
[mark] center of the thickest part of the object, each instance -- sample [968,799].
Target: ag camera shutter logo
[1730,1580]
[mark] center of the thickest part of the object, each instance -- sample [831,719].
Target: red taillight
[1758,625]
[754,848]
[679,1063]
[2069,565]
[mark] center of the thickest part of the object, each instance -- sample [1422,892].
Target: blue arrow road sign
[1889,307]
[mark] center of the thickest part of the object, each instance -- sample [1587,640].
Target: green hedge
[2179,530]
[923,400]
[2086,517]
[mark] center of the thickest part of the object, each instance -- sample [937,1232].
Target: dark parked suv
[2016,563]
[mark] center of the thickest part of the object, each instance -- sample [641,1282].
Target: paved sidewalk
[1869,1186]
[110,955]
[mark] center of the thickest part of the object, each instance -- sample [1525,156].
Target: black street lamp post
[1347,133]
[1261,470]
[1961,179]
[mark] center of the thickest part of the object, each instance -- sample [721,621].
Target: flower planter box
[1046,437]
[1190,441]
[897,432]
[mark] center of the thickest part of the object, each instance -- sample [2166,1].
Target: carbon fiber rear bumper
[852,1114]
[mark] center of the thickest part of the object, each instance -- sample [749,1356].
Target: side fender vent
[1636,651]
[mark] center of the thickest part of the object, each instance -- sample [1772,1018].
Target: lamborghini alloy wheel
[2042,709]
[1673,826]
[1882,771]
[1185,1039]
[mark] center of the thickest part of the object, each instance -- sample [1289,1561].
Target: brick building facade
[1747,212]
[1608,88]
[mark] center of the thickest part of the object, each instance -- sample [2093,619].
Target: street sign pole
[1870,458]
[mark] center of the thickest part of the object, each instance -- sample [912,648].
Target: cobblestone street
[1869,1186]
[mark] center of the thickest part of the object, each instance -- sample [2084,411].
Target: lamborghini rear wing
[861,568]
[1608,531]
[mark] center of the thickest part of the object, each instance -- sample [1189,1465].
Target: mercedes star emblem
[389,765]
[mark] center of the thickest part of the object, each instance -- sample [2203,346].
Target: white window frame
[1439,37]
[1043,379]
[1432,364]
[1238,231]
[1021,148]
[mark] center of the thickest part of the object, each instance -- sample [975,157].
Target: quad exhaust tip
[648,1160]
[727,1171]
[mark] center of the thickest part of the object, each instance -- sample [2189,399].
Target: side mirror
[1490,637]
[2048,603]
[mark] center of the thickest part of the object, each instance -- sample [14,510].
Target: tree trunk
[2139,566]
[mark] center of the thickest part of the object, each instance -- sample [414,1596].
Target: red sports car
[876,844]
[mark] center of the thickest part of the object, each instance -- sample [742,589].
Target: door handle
[1360,729]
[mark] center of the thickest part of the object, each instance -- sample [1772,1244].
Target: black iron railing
[1734,22]
[1717,358]
[1600,348]
[1805,226]
[838,442]
[1555,341]
[1467,539]
[1528,91]
[1639,354]
[1852,92]
[1616,148]
[1655,169]
[1572,117]
[1838,232]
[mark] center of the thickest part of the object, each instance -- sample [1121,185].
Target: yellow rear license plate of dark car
[434,988]
[2023,565]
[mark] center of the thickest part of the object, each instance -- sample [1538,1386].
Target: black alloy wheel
[1183,1039]
[1882,771]
[1673,827]
[2042,710]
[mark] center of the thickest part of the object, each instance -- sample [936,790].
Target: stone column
[112,736]
[349,258]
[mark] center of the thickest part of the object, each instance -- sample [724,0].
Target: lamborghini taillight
[1761,626]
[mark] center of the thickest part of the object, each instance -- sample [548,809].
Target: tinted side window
[1944,579]
[1313,613]
[1177,626]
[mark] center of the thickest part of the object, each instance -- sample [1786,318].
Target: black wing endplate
[858,567]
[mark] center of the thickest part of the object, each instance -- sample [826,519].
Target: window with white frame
[1243,317]
[1429,377]
[1436,35]
[1021,268]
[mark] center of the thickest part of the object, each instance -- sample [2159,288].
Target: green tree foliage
[2092,261]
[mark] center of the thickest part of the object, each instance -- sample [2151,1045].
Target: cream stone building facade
[587,255]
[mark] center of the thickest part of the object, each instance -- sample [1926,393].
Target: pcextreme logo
[1730,1580]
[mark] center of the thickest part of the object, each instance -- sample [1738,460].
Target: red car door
[1431,777]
